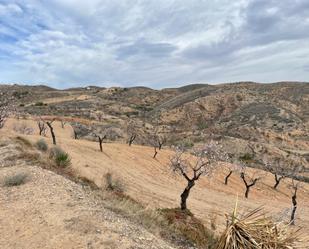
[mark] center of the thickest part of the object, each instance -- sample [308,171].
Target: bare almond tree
[295,186]
[192,167]
[131,132]
[51,128]
[281,167]
[249,179]
[232,168]
[157,140]
[104,132]
[42,128]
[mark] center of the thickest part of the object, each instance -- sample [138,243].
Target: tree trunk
[294,202]
[185,194]
[131,140]
[277,179]
[247,191]
[248,186]
[100,143]
[52,132]
[155,152]
[227,177]
[75,134]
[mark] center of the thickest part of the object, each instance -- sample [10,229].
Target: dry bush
[16,179]
[255,230]
[41,145]
[25,143]
[186,225]
[113,183]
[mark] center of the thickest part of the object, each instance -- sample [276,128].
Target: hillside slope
[275,116]
[50,211]
[151,182]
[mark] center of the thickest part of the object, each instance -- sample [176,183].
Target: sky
[154,43]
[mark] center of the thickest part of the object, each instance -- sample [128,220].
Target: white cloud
[155,43]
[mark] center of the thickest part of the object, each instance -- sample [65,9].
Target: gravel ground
[50,211]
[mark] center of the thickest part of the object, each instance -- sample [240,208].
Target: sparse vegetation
[23,141]
[113,183]
[61,158]
[184,223]
[39,103]
[41,145]
[247,157]
[4,112]
[15,179]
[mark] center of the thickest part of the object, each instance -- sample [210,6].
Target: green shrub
[41,145]
[186,144]
[16,179]
[246,157]
[39,104]
[61,158]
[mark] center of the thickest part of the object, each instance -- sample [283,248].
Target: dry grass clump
[183,223]
[113,183]
[61,158]
[257,231]
[16,179]
[23,141]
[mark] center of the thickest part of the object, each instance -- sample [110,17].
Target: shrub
[61,158]
[186,144]
[41,145]
[246,157]
[16,179]
[186,225]
[113,184]
[39,104]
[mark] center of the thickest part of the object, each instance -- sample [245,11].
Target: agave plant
[255,230]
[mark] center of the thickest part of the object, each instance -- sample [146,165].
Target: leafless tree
[131,132]
[232,168]
[192,167]
[157,141]
[104,132]
[63,123]
[281,168]
[75,133]
[49,124]
[42,128]
[295,186]
[249,179]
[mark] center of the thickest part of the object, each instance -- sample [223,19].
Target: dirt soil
[147,180]
[50,211]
